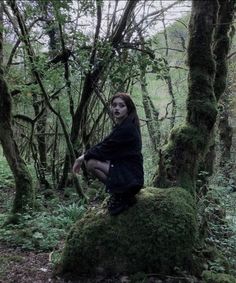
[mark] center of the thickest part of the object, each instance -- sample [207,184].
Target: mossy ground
[156,235]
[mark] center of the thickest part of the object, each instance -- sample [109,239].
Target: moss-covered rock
[155,235]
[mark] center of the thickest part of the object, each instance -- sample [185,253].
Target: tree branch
[31,55]
[155,15]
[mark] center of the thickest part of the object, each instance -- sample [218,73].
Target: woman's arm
[115,145]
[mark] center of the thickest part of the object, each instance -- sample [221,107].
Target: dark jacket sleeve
[112,147]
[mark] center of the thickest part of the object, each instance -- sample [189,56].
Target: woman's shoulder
[127,125]
[128,128]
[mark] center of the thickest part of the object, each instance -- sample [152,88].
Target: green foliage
[216,218]
[42,230]
[214,277]
[6,177]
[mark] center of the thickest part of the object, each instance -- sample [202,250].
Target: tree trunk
[152,120]
[41,124]
[225,132]
[221,47]
[24,198]
[168,76]
[151,113]
[189,142]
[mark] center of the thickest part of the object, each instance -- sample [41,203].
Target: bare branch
[118,34]
[155,15]
[99,19]
[231,55]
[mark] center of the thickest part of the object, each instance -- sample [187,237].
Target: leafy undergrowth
[28,249]
[41,230]
[217,221]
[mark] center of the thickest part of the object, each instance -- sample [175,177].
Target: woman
[117,161]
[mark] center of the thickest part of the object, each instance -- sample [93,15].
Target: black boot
[120,202]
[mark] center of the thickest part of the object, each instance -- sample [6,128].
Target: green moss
[189,136]
[25,195]
[202,113]
[155,235]
[181,158]
[214,277]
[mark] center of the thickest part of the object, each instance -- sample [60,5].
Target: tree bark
[189,142]
[24,198]
[150,112]
[225,132]
[152,120]
[221,46]
[168,76]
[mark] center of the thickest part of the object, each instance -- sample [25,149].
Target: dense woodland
[61,61]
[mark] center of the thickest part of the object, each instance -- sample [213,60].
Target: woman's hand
[77,164]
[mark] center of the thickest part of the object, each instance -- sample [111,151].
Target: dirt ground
[23,267]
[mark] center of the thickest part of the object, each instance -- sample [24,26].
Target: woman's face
[119,109]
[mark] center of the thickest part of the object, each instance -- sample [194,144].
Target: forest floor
[25,266]
[19,266]
[22,265]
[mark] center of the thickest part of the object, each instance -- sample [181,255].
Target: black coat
[123,148]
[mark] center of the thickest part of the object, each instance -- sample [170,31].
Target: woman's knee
[90,165]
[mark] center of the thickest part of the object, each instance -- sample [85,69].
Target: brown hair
[132,112]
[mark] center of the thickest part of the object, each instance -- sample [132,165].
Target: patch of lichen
[155,235]
[214,277]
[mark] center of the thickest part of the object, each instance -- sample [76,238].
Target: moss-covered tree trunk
[225,132]
[223,40]
[24,197]
[188,143]
[221,46]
